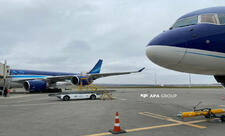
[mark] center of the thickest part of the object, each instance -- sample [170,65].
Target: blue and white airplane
[194,44]
[34,81]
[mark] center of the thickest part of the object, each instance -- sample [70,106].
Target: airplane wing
[54,79]
[93,76]
[100,75]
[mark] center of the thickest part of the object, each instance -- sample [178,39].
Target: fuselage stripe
[203,54]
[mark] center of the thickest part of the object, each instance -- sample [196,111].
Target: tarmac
[142,112]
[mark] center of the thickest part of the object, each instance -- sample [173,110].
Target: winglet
[97,68]
[141,69]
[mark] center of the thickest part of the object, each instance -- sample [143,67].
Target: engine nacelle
[35,85]
[84,80]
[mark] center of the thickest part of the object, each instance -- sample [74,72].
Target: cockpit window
[221,18]
[212,18]
[208,18]
[186,22]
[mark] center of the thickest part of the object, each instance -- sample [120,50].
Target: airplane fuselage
[19,74]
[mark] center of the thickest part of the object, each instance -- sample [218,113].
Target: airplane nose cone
[165,56]
[168,48]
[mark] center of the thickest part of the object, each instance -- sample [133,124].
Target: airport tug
[206,112]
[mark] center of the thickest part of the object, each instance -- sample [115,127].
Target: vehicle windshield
[186,22]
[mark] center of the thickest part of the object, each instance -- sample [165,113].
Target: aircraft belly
[203,62]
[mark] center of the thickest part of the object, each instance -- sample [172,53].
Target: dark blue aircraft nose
[175,37]
[166,49]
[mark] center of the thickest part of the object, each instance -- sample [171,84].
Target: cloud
[72,35]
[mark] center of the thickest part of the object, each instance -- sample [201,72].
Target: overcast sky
[71,35]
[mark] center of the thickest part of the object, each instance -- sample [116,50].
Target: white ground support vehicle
[66,96]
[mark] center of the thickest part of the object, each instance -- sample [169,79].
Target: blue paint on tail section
[97,68]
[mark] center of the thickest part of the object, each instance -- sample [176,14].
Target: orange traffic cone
[117,129]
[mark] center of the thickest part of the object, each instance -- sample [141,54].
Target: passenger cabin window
[208,18]
[221,18]
[186,22]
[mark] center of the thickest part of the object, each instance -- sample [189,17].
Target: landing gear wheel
[66,98]
[222,118]
[93,97]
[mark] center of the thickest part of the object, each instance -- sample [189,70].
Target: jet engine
[84,80]
[35,85]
